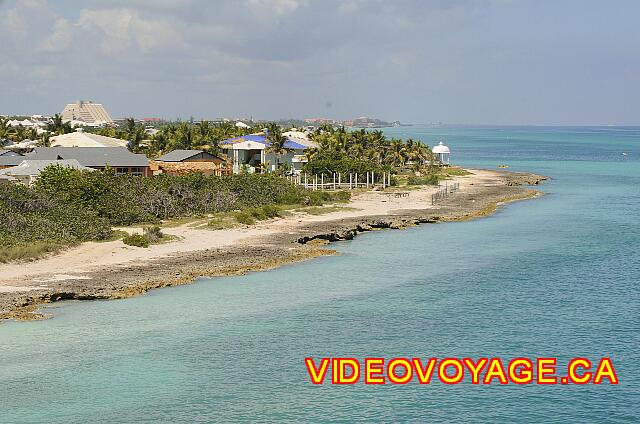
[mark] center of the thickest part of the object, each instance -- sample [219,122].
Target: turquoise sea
[556,276]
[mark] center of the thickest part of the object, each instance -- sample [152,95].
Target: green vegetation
[150,235]
[250,215]
[245,217]
[67,206]
[321,210]
[364,151]
[429,179]
[454,172]
[137,240]
[27,252]
[203,135]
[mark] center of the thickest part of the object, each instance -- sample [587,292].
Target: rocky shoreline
[262,253]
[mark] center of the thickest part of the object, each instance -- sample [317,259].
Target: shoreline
[118,272]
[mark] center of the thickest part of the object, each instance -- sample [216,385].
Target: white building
[442,153]
[251,151]
[86,111]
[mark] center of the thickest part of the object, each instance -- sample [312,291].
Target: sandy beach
[111,269]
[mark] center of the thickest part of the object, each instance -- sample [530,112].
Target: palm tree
[58,126]
[276,142]
[397,153]
[45,140]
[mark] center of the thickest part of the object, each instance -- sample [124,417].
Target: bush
[257,213]
[153,234]
[67,206]
[341,196]
[137,240]
[245,218]
[430,179]
[272,211]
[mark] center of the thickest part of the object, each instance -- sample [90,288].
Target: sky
[502,62]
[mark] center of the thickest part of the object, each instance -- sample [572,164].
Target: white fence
[339,181]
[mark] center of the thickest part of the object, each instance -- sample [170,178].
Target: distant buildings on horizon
[90,113]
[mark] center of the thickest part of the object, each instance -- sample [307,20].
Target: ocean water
[556,276]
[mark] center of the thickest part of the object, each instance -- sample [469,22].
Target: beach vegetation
[66,206]
[362,151]
[244,217]
[26,252]
[137,240]
[429,179]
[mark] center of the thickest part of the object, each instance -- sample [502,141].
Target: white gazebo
[442,153]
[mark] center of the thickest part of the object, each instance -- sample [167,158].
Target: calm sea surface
[556,276]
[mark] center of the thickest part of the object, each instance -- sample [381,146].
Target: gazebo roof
[441,148]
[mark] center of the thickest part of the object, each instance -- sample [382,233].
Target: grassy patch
[221,222]
[115,235]
[321,210]
[430,179]
[136,239]
[27,252]
[150,235]
[245,217]
[454,172]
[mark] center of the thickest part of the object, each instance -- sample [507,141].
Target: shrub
[430,179]
[153,234]
[272,211]
[341,196]
[257,213]
[217,224]
[137,240]
[244,218]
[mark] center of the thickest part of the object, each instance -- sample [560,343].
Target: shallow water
[556,276]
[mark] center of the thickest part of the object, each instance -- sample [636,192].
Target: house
[9,158]
[180,162]
[28,170]
[87,112]
[79,138]
[250,152]
[190,156]
[8,153]
[118,158]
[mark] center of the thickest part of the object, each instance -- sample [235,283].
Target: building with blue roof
[250,152]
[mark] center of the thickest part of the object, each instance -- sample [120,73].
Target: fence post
[322,181]
[350,178]
[356,180]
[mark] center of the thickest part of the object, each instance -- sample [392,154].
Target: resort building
[9,158]
[27,171]
[79,138]
[8,153]
[190,156]
[119,159]
[86,111]
[250,152]
[180,162]
[442,153]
